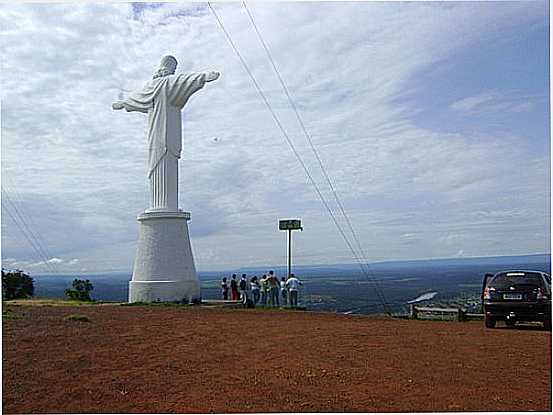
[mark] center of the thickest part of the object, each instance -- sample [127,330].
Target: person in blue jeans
[244,289]
[273,289]
[293,286]
[224,288]
[283,291]
[255,288]
[264,289]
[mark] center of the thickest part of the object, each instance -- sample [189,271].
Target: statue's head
[168,66]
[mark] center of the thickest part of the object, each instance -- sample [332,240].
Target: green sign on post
[289,225]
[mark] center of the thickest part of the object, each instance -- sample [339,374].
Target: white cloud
[59,265]
[493,102]
[80,167]
[472,103]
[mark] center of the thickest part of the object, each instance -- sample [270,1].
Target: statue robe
[163,98]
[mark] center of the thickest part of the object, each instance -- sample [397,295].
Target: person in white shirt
[254,285]
[293,286]
[283,291]
[274,286]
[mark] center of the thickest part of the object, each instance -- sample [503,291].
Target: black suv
[514,296]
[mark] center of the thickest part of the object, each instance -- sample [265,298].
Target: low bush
[76,317]
[80,290]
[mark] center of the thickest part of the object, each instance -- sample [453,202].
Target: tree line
[17,284]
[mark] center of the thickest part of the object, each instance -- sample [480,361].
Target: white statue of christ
[163,98]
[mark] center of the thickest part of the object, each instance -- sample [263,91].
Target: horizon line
[311,265]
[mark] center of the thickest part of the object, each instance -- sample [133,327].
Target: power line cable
[302,124]
[28,219]
[33,236]
[308,137]
[377,290]
[27,233]
[290,144]
[25,219]
[37,251]
[36,254]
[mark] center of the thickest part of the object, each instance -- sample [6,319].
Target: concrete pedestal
[164,266]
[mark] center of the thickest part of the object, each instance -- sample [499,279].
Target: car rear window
[508,279]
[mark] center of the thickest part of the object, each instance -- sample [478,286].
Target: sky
[431,119]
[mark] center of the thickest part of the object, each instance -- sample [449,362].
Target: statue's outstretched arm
[212,76]
[184,85]
[118,105]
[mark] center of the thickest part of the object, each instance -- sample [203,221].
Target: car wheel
[489,322]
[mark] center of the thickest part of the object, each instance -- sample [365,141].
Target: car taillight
[487,295]
[541,295]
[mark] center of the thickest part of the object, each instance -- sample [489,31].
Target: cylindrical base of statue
[164,266]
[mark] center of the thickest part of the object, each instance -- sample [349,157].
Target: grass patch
[8,314]
[45,302]
[268,308]
[157,304]
[77,317]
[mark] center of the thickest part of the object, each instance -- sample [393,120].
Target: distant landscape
[342,287]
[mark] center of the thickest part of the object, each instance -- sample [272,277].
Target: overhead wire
[28,219]
[36,254]
[17,218]
[314,150]
[290,144]
[30,236]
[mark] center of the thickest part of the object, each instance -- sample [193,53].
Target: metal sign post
[289,225]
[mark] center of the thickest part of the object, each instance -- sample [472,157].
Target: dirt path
[167,359]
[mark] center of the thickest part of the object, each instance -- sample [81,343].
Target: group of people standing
[267,290]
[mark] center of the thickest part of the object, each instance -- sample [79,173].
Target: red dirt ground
[195,359]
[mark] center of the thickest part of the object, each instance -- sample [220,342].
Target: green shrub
[76,317]
[16,284]
[8,314]
[80,291]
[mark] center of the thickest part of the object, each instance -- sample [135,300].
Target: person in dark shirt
[234,288]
